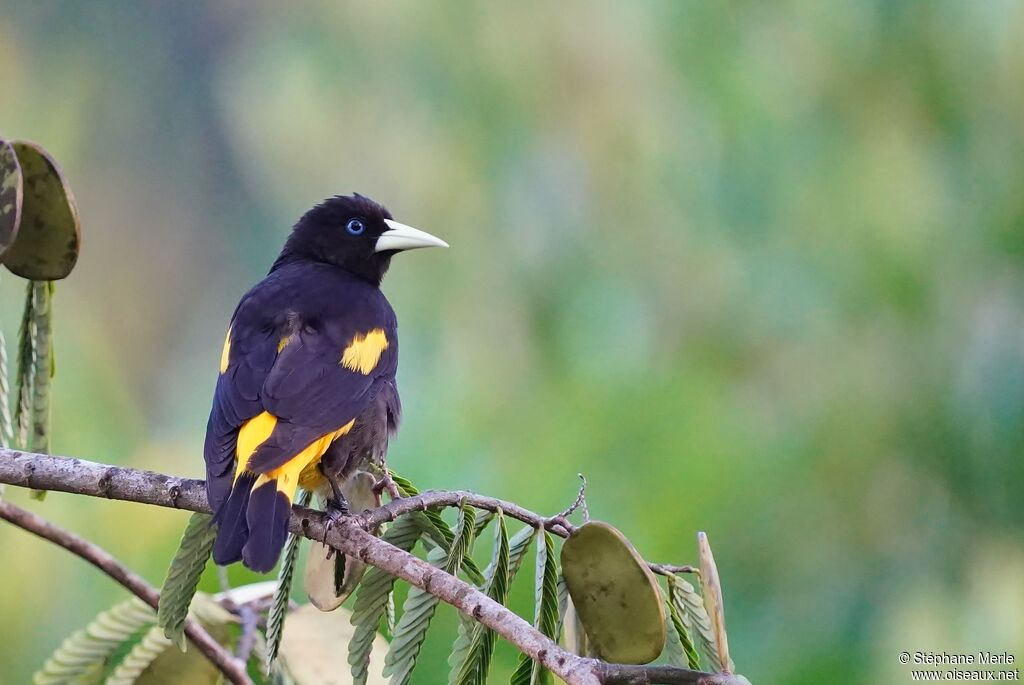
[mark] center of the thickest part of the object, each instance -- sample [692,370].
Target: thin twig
[350,536]
[451,498]
[581,501]
[671,569]
[233,670]
[250,620]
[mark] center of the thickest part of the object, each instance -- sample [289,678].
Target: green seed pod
[615,595]
[45,247]
[11,195]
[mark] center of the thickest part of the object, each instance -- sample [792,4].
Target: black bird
[306,392]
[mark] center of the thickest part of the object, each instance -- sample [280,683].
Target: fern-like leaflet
[420,606]
[283,591]
[372,598]
[546,611]
[183,576]
[474,647]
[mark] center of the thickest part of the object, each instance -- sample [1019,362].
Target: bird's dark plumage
[307,370]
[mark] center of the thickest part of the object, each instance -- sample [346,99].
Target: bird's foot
[336,508]
[386,482]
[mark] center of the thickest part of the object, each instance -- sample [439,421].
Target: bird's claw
[336,510]
[386,482]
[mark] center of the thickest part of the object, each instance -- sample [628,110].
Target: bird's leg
[336,505]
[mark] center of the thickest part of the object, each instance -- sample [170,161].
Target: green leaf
[482,522]
[389,615]
[474,647]
[26,363]
[523,675]
[144,653]
[563,605]
[420,606]
[283,592]
[6,423]
[42,371]
[372,598]
[42,367]
[405,485]
[518,546]
[436,528]
[183,576]
[694,618]
[258,658]
[124,646]
[681,650]
[82,657]
[546,612]
[150,662]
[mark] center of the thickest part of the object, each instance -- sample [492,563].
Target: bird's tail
[253,521]
[230,517]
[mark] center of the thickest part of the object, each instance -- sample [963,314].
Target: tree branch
[556,524]
[232,669]
[622,674]
[351,537]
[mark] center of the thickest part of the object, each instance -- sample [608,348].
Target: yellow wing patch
[283,343]
[225,354]
[288,475]
[363,353]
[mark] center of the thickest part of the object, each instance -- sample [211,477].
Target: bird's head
[355,233]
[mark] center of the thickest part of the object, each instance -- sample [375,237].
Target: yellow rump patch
[251,435]
[363,353]
[288,476]
[225,354]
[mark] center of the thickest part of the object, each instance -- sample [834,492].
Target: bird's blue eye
[355,227]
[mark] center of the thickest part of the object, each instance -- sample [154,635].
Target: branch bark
[351,536]
[623,674]
[233,669]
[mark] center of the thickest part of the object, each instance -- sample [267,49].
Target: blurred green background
[753,269]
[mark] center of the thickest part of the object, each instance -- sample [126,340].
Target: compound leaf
[183,576]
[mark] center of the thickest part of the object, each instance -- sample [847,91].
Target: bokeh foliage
[755,269]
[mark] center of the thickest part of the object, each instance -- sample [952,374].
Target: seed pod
[330,577]
[615,595]
[45,245]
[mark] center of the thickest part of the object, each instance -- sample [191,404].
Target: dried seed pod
[329,577]
[712,589]
[45,247]
[615,595]
[11,195]
[312,649]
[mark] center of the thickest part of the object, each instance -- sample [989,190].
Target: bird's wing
[320,382]
[283,387]
[249,353]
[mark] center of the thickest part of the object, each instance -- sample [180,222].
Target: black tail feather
[218,485]
[233,528]
[267,519]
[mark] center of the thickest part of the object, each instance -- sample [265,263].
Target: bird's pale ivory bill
[402,237]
